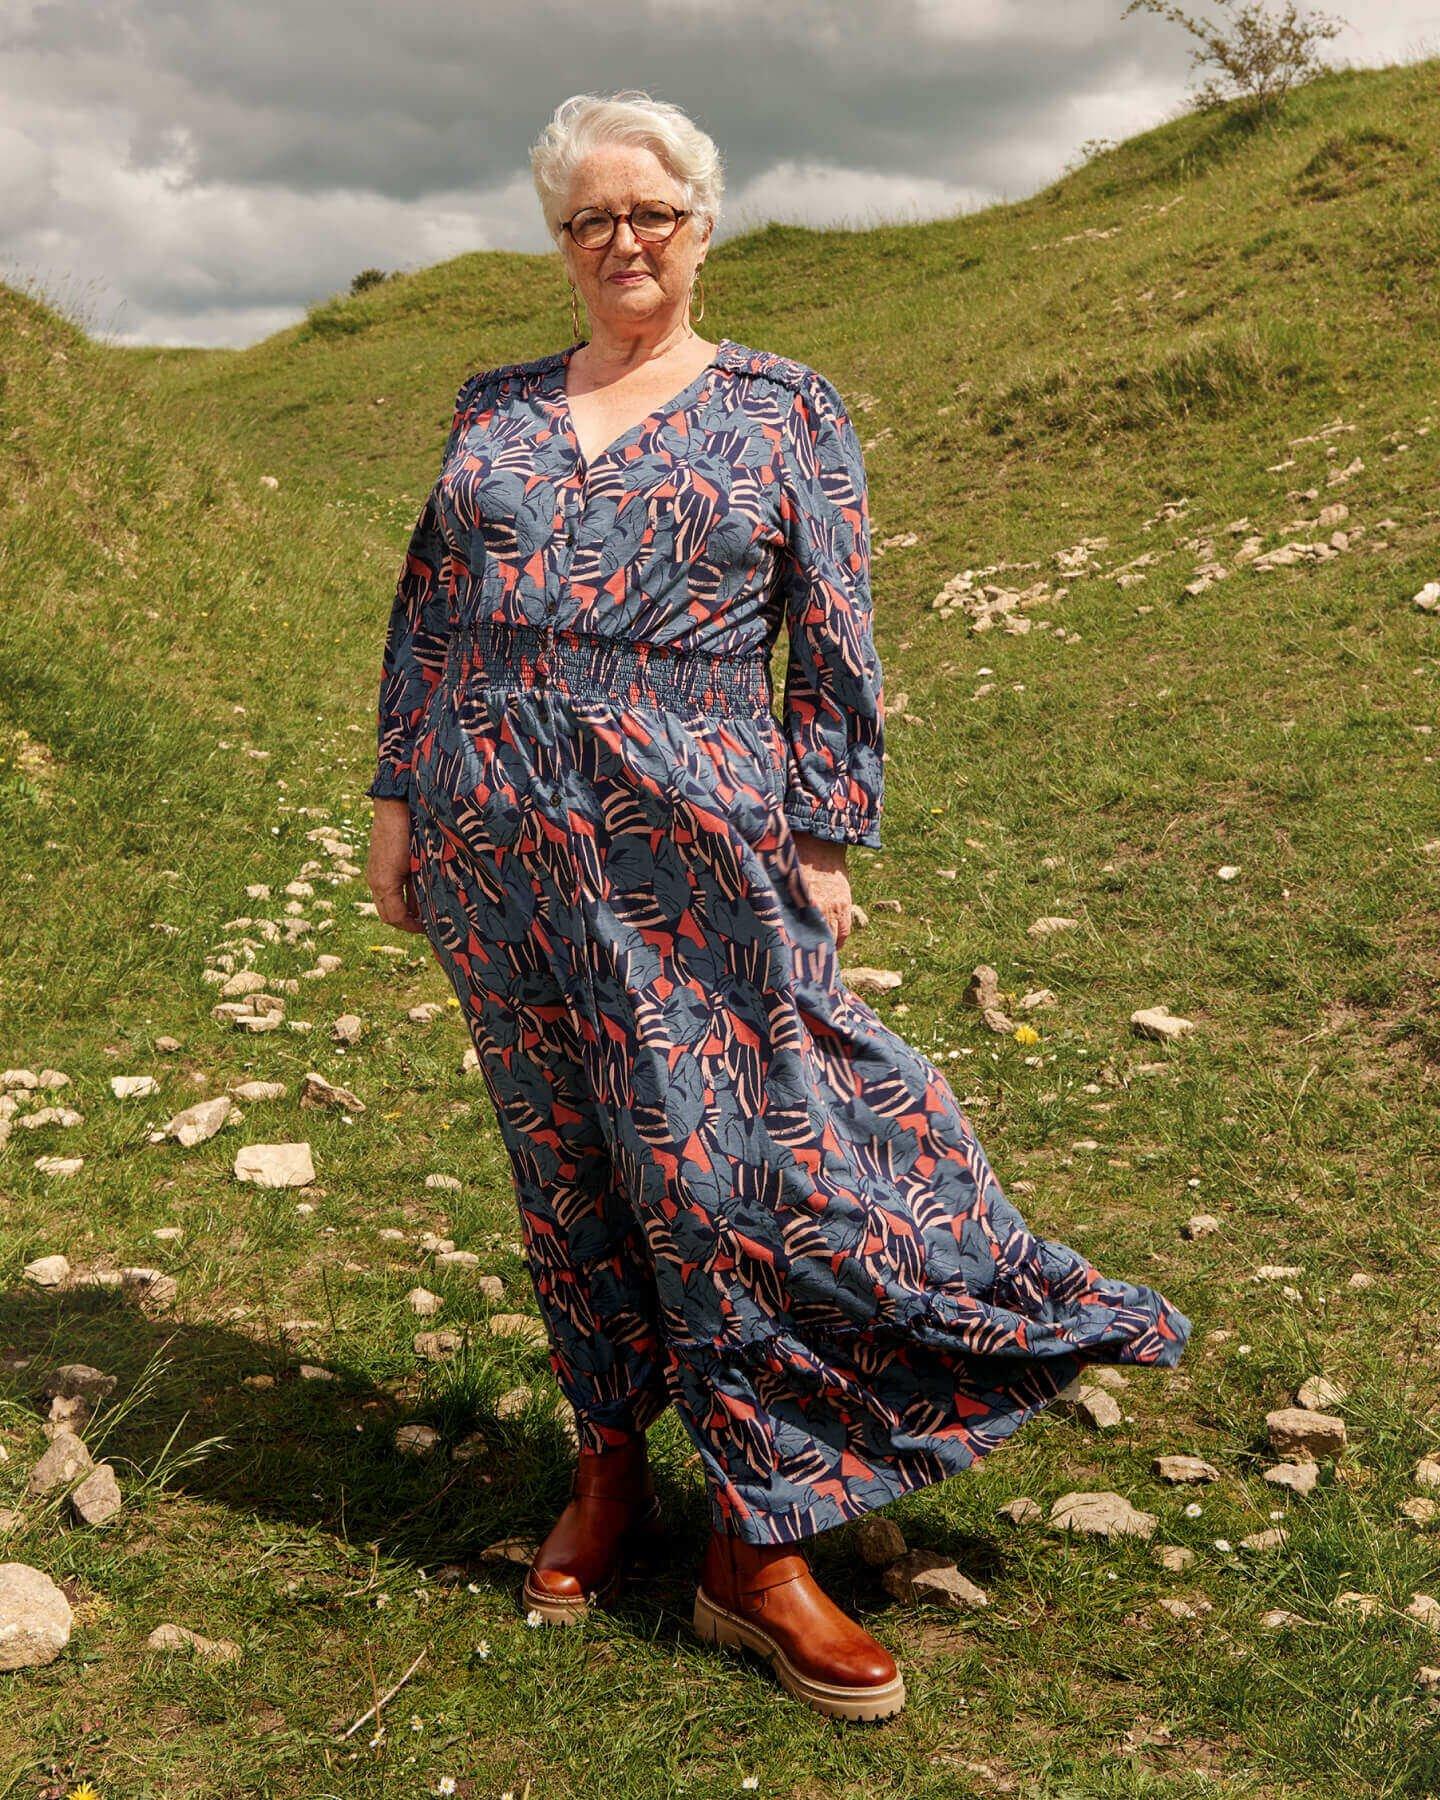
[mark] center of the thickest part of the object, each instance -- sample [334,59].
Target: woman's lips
[628,280]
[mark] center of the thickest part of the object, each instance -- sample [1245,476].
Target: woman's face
[630,282]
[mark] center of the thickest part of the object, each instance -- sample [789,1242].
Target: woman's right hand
[388,868]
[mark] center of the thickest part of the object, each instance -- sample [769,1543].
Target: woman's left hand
[823,863]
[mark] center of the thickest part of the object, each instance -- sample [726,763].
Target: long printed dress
[740,1191]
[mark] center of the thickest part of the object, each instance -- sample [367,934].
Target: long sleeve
[417,640]
[834,714]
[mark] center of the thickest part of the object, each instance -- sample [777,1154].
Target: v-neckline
[659,412]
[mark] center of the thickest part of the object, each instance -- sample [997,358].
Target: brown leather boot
[763,1597]
[582,1560]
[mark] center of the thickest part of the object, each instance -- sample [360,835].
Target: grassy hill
[1172,361]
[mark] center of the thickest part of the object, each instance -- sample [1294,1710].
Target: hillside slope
[1112,405]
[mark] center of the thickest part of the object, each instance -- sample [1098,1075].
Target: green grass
[1160,326]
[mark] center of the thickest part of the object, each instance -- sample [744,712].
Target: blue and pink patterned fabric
[740,1191]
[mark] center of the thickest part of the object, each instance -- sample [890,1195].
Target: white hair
[630,117]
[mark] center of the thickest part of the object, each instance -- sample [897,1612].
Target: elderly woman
[741,1193]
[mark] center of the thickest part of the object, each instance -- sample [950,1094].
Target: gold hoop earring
[574,310]
[698,277]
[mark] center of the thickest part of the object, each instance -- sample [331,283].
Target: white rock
[152,1285]
[1020,1511]
[1318,1392]
[177,1637]
[417,1440]
[871,981]
[347,1029]
[1427,1471]
[133,1087]
[1428,599]
[1311,1434]
[1101,1514]
[422,1302]
[97,1499]
[1086,1400]
[1155,1022]
[66,1461]
[1298,1477]
[77,1381]
[247,981]
[35,1618]
[47,1271]
[1185,1469]
[59,1165]
[1200,1225]
[1265,1540]
[425,1013]
[1226,872]
[317,1091]
[1424,1609]
[1049,925]
[258,1090]
[198,1123]
[275,1165]
[928,1575]
[64,1116]
[447,1183]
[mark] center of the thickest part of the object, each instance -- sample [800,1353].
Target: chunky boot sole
[714,1624]
[565,1609]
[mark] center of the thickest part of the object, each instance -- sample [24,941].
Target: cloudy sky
[199,171]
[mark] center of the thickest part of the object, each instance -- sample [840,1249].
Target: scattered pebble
[1305,1434]
[879,1540]
[47,1271]
[97,1499]
[1101,1514]
[170,1638]
[35,1618]
[275,1165]
[1184,1469]
[1155,1022]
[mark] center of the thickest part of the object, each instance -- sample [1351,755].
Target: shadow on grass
[320,1455]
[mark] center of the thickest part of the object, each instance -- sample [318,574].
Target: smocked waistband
[619,670]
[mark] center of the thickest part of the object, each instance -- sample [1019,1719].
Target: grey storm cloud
[213,166]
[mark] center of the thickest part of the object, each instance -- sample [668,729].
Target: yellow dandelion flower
[83,1792]
[1026,1034]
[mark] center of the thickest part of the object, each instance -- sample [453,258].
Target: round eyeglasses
[652,221]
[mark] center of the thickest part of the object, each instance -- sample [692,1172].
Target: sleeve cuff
[390,785]
[840,824]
